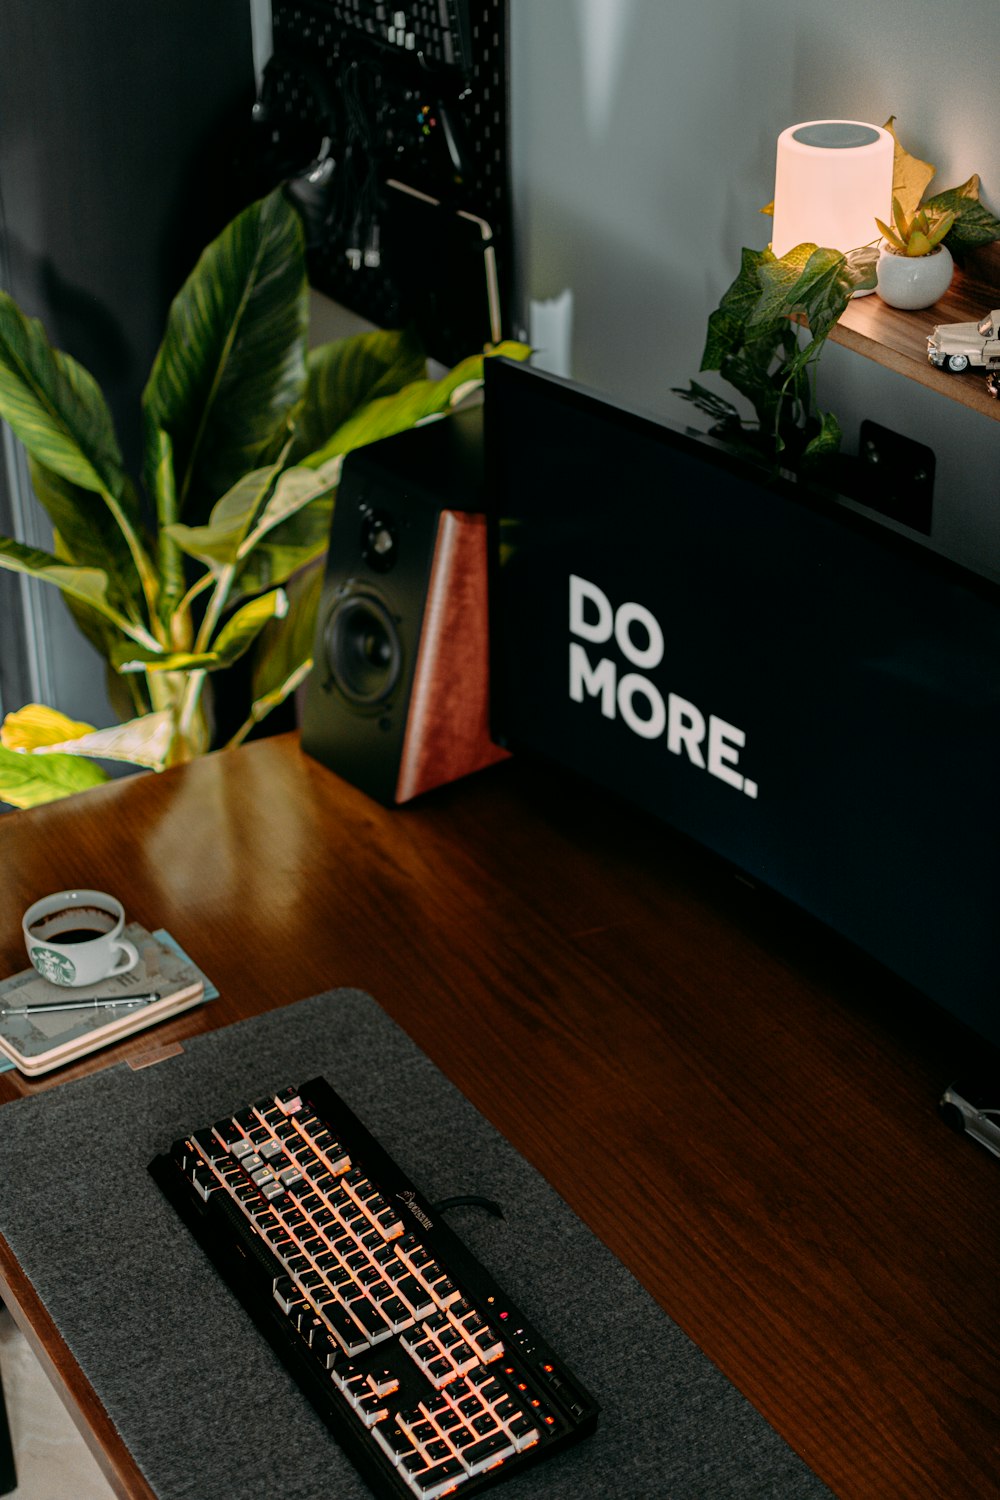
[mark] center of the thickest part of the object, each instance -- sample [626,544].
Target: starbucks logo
[53,966]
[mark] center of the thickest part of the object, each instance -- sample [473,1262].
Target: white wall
[643,136]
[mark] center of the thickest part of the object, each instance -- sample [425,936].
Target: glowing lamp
[832,179]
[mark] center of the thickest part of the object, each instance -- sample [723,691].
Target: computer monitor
[805,692]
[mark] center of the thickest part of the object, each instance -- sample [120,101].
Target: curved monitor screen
[805,692]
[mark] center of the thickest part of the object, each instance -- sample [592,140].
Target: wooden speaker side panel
[447,730]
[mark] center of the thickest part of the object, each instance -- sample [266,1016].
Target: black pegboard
[391,123]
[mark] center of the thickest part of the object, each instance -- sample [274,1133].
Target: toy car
[971,1108]
[956,346]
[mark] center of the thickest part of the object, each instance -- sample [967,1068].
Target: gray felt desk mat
[199,1398]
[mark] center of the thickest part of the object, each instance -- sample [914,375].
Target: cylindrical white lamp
[832,178]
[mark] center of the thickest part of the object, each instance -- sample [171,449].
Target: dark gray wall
[119,126]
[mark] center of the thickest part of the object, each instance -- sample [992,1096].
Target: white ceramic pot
[914,281]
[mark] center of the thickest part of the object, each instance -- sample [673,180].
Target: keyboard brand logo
[707,741]
[409,1198]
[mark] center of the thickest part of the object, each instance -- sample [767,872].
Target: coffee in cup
[74,937]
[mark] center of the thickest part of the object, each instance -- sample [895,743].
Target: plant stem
[143,567]
[196,679]
[258,712]
[204,582]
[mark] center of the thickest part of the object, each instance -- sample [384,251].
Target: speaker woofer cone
[362,649]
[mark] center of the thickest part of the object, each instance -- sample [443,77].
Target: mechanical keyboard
[429,1376]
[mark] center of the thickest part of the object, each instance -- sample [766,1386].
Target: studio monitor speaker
[398,698]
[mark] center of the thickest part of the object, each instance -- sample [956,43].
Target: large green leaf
[415,403]
[243,627]
[791,288]
[88,585]
[727,324]
[169,557]
[232,362]
[827,440]
[296,488]
[287,547]
[28,780]
[218,542]
[291,531]
[342,376]
[974,224]
[56,408]
[87,535]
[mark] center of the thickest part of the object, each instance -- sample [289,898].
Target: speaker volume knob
[379,541]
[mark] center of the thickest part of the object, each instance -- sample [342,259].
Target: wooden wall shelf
[898,340]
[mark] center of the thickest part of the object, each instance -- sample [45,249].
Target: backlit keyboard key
[485,1454]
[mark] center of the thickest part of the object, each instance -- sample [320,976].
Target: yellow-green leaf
[29,780]
[284,655]
[910,176]
[415,403]
[235,637]
[218,542]
[34,725]
[145,741]
[347,374]
[287,644]
[296,488]
[127,659]
[286,548]
[242,628]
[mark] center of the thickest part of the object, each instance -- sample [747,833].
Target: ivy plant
[765,337]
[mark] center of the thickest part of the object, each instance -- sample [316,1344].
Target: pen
[106,1003]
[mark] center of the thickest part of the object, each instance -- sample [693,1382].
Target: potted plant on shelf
[920,247]
[215,558]
[765,338]
[915,267]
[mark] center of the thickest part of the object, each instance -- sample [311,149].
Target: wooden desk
[743,1111]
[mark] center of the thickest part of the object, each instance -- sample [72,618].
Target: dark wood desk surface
[743,1111]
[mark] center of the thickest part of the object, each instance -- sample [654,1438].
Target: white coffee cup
[74,937]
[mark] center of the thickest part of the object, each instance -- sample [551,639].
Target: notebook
[37,1042]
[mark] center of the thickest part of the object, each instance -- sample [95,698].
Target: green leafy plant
[214,555]
[765,337]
